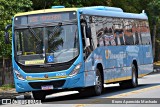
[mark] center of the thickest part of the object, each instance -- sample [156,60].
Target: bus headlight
[18,75]
[76,70]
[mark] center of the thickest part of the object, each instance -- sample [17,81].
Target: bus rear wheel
[39,95]
[134,80]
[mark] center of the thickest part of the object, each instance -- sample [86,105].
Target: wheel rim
[98,82]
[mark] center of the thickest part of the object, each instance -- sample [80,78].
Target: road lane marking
[98,101]
[133,92]
[80,105]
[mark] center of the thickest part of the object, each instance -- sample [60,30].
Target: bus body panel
[119,69]
[76,81]
[70,82]
[116,61]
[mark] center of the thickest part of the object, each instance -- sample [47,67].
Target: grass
[7,87]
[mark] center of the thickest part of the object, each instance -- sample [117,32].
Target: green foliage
[7,86]
[41,4]
[154,11]
[154,7]
[10,7]
[7,10]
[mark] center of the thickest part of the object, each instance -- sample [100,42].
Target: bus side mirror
[6,38]
[6,35]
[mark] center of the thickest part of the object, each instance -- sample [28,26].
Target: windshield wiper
[69,22]
[34,34]
[60,23]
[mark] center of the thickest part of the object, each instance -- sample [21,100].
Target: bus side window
[118,31]
[82,32]
[139,32]
[85,31]
[129,38]
[145,33]
[122,37]
[140,38]
[128,33]
[136,38]
[88,32]
[135,32]
[148,33]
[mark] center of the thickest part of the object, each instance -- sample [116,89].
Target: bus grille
[56,84]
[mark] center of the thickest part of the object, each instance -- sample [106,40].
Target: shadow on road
[108,91]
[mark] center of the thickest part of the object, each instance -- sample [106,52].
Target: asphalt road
[148,93]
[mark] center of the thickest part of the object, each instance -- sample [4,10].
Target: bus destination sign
[44,18]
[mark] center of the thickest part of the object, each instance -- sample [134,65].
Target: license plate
[47,87]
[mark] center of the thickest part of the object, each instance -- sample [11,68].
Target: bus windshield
[55,43]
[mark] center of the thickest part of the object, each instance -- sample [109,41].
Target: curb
[21,97]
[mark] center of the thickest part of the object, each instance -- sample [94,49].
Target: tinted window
[128,34]
[118,31]
[145,33]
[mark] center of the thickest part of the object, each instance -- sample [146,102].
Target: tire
[133,82]
[94,90]
[39,95]
[98,88]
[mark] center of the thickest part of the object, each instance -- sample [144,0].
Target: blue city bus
[79,49]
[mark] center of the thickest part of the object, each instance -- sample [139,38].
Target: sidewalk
[12,94]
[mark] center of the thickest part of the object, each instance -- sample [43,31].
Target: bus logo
[46,76]
[107,54]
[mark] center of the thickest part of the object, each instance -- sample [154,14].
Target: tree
[7,9]
[42,4]
[45,4]
[154,9]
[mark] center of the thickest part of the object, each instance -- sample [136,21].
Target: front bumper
[76,81]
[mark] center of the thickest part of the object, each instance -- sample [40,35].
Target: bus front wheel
[39,95]
[97,89]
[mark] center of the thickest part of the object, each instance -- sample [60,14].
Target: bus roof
[94,10]
[46,11]
[111,12]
